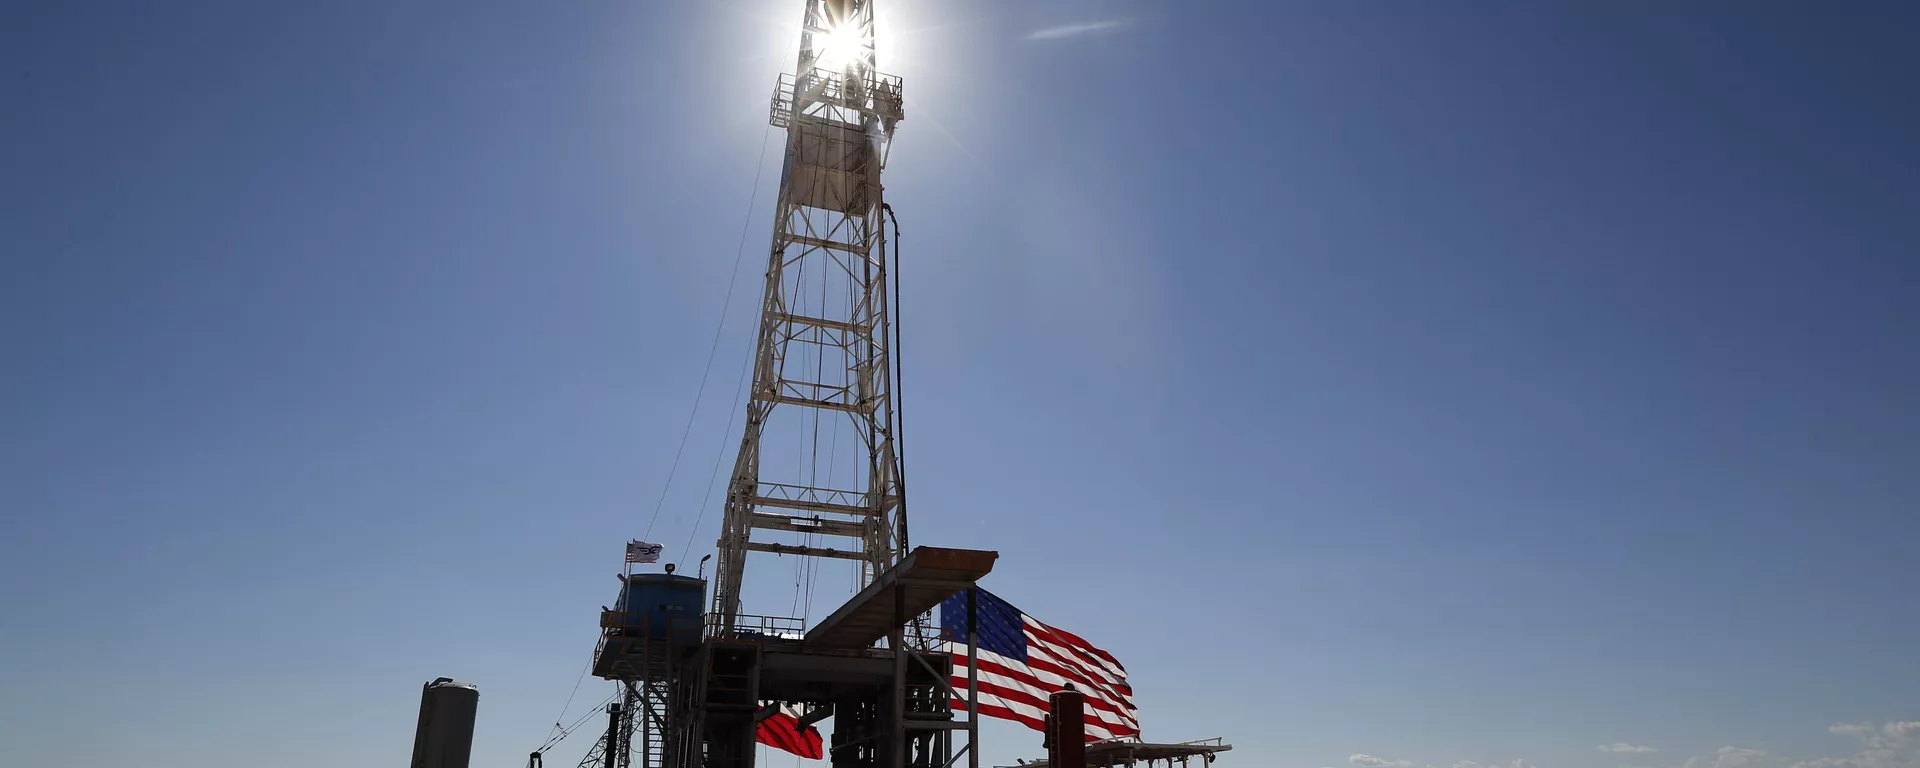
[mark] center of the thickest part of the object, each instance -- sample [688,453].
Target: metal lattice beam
[833,360]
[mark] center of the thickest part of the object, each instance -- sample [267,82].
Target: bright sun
[838,47]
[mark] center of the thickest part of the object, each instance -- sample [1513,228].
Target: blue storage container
[663,606]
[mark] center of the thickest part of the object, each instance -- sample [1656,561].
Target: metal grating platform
[927,576]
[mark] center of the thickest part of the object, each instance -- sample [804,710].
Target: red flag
[782,731]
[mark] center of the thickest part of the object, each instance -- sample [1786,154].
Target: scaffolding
[699,704]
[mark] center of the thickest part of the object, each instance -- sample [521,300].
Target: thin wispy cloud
[1894,744]
[1517,763]
[1074,30]
[1727,757]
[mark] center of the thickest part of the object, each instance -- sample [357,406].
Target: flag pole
[973,681]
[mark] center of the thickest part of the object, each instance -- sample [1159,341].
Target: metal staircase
[655,732]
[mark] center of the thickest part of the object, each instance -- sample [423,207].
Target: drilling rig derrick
[698,683]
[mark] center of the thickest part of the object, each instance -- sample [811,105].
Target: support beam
[864,409]
[859,249]
[810,506]
[935,725]
[808,525]
[821,322]
[817,714]
[788,549]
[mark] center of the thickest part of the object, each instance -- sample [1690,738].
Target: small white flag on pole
[641,552]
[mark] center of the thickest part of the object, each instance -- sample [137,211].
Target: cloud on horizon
[1726,757]
[1892,745]
[1517,763]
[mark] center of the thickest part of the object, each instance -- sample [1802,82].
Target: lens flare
[840,46]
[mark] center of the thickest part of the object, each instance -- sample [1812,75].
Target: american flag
[1023,661]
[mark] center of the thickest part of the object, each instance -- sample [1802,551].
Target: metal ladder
[655,725]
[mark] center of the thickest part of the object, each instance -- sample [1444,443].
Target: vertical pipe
[613,733]
[1069,725]
[897,720]
[973,681]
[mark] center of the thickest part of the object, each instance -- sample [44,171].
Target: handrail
[612,621]
[876,93]
[1217,741]
[758,627]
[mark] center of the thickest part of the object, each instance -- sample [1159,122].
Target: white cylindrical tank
[444,737]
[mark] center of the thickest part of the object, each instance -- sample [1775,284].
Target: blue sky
[1384,383]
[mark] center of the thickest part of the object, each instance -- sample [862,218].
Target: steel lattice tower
[835,361]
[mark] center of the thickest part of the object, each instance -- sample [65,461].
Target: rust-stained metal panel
[927,576]
[830,165]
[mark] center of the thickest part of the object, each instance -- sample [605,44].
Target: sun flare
[838,47]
